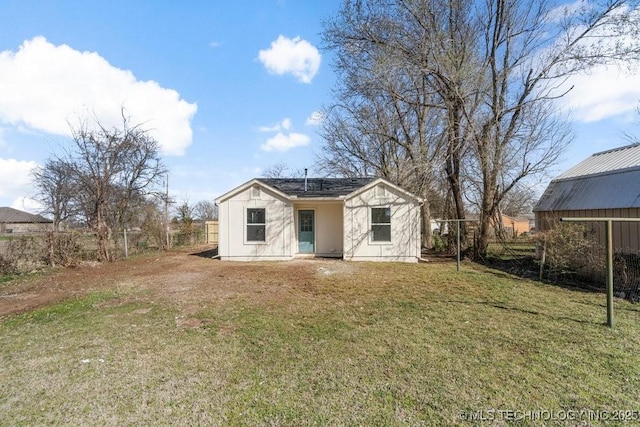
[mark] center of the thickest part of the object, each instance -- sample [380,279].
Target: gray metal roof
[606,161]
[606,180]
[612,190]
[317,187]
[15,216]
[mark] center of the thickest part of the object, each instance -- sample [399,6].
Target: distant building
[607,184]
[16,221]
[516,226]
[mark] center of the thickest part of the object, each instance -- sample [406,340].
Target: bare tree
[282,170]
[519,201]
[55,191]
[493,68]
[386,120]
[206,210]
[153,222]
[107,171]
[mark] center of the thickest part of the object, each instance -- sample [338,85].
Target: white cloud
[604,92]
[284,139]
[285,124]
[15,177]
[566,10]
[282,142]
[28,205]
[315,119]
[45,86]
[291,56]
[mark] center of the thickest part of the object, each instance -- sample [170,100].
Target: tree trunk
[427,237]
[452,166]
[487,210]
[103,234]
[52,247]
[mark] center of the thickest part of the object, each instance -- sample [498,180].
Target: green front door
[306,244]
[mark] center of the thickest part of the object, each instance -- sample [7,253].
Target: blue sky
[227,87]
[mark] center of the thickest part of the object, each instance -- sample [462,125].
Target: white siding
[279,227]
[405,227]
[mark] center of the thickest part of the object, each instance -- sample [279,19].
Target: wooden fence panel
[211,232]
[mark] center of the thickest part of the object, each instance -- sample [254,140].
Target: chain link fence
[576,253]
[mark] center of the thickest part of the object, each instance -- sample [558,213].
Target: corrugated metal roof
[11,215]
[618,189]
[317,187]
[605,161]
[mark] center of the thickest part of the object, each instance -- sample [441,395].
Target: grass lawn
[319,343]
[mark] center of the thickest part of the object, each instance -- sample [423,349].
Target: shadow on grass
[537,313]
[529,268]
[209,253]
[526,311]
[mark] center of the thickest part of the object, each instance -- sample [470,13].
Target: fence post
[609,239]
[458,248]
[543,258]
[126,243]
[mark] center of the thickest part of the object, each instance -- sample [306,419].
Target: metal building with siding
[607,184]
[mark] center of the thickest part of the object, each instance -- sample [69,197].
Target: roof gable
[378,181]
[248,185]
[11,215]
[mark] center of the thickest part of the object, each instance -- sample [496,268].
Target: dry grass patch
[314,343]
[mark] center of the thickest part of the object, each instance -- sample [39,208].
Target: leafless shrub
[23,254]
[570,251]
[64,249]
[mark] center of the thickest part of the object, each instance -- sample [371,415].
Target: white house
[351,218]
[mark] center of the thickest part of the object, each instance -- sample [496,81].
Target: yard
[181,339]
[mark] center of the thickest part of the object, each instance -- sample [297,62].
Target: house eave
[316,199]
[388,183]
[249,184]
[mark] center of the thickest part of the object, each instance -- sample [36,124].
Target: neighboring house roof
[15,216]
[606,180]
[318,188]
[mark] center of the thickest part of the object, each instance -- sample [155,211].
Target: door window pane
[306,221]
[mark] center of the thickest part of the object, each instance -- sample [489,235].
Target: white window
[256,225]
[381,224]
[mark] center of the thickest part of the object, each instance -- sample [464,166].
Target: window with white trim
[381,224]
[256,225]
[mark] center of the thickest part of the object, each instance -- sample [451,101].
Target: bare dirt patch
[188,281]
